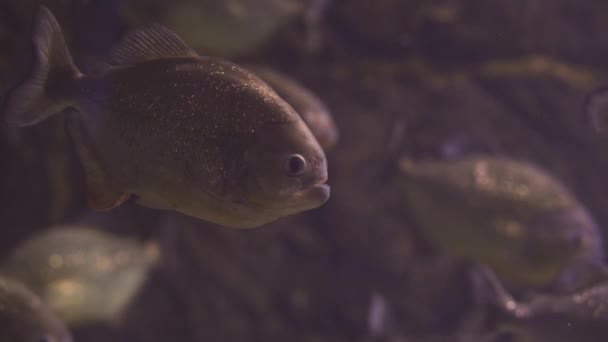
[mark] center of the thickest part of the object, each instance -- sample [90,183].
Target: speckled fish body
[501,212]
[82,273]
[178,131]
[310,107]
[25,318]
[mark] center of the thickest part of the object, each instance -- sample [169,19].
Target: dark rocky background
[511,74]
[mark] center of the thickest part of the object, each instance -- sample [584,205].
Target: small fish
[578,316]
[505,213]
[312,110]
[178,131]
[82,273]
[24,318]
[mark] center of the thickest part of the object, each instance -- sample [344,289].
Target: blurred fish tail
[44,92]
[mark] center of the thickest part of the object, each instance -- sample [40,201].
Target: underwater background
[466,148]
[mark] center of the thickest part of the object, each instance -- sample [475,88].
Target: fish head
[262,162]
[288,169]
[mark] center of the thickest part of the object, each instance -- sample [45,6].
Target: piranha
[312,110]
[24,317]
[507,214]
[82,273]
[178,131]
[578,316]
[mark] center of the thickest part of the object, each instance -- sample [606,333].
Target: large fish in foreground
[178,131]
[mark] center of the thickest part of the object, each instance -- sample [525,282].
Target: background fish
[225,28]
[198,135]
[310,107]
[82,273]
[501,212]
[24,318]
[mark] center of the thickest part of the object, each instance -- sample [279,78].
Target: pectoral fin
[102,194]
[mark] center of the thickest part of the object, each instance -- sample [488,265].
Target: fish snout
[319,190]
[318,193]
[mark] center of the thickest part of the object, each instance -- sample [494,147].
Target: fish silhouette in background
[82,273]
[507,214]
[232,28]
[312,110]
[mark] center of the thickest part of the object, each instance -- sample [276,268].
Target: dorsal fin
[150,43]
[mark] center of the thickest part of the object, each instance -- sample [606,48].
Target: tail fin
[40,95]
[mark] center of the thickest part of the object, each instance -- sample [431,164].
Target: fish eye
[295,165]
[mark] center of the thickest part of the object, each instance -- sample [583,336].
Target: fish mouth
[310,197]
[314,195]
[307,198]
[321,191]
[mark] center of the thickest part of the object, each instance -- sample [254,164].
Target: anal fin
[102,194]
